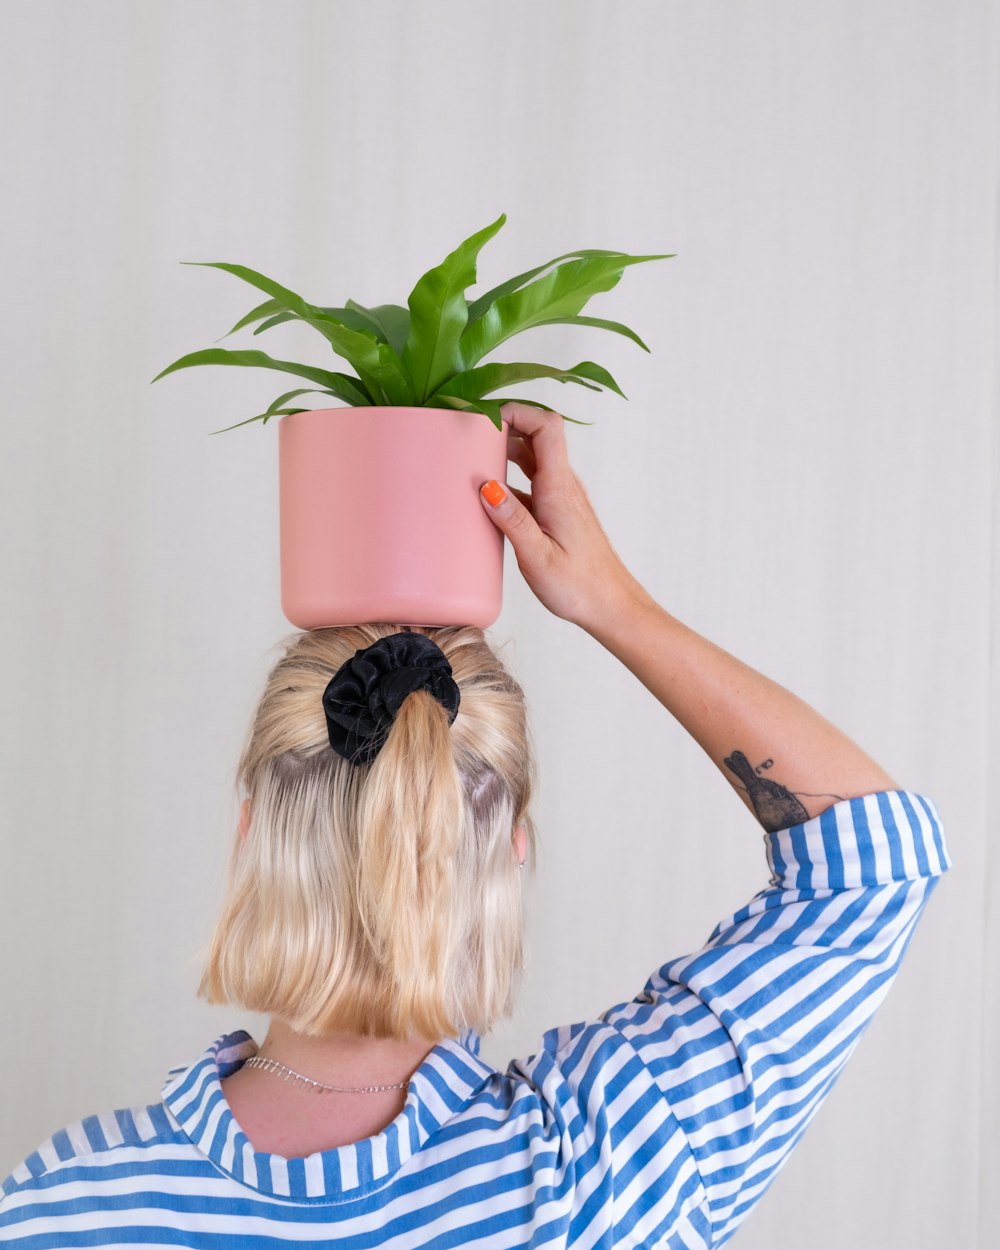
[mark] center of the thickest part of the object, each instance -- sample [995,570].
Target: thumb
[510,515]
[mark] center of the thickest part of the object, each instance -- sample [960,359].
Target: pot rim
[390,408]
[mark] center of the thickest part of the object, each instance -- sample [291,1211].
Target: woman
[374,911]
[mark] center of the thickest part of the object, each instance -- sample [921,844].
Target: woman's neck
[345,1059]
[286,1118]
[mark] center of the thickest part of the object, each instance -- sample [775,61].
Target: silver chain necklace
[272,1065]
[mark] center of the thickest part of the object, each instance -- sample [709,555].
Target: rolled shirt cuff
[893,835]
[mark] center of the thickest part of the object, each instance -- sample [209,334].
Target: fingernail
[493,492]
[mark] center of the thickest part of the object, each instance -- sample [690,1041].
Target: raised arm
[786,761]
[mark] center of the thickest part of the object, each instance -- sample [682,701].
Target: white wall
[805,472]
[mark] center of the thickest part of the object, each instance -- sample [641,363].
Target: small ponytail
[411,831]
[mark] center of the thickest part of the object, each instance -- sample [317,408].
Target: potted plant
[379,519]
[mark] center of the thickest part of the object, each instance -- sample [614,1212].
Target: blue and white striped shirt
[660,1123]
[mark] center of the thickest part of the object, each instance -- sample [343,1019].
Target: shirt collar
[443,1084]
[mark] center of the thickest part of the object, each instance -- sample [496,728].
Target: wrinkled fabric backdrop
[804,472]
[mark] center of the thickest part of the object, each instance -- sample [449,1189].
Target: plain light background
[805,472]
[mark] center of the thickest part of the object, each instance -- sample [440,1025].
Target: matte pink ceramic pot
[381,518]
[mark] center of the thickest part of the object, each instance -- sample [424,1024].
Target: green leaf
[342,385]
[351,390]
[375,363]
[490,407]
[276,410]
[306,390]
[474,383]
[350,318]
[302,390]
[282,296]
[439,314]
[596,373]
[263,416]
[276,320]
[494,414]
[354,319]
[533,403]
[482,302]
[390,322]
[271,412]
[598,324]
[255,314]
[560,293]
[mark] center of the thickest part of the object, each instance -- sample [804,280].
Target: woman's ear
[520,843]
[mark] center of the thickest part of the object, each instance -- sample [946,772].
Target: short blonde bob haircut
[382,899]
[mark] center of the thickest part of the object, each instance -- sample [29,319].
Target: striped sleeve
[745,1037]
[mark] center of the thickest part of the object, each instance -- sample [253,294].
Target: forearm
[785,760]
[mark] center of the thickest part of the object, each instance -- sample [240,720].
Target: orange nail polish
[493,492]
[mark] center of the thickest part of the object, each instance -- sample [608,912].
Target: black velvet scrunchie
[364,695]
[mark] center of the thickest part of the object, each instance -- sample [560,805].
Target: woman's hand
[561,549]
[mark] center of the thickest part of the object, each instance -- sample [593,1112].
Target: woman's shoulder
[101,1146]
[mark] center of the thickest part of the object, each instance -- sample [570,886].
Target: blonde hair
[381,899]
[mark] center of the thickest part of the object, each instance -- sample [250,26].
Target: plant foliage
[429,353]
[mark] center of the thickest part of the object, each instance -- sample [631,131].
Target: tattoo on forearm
[775,806]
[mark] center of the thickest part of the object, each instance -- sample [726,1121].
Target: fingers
[543,434]
[512,517]
[519,452]
[523,495]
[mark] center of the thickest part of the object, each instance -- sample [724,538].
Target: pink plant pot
[381,520]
